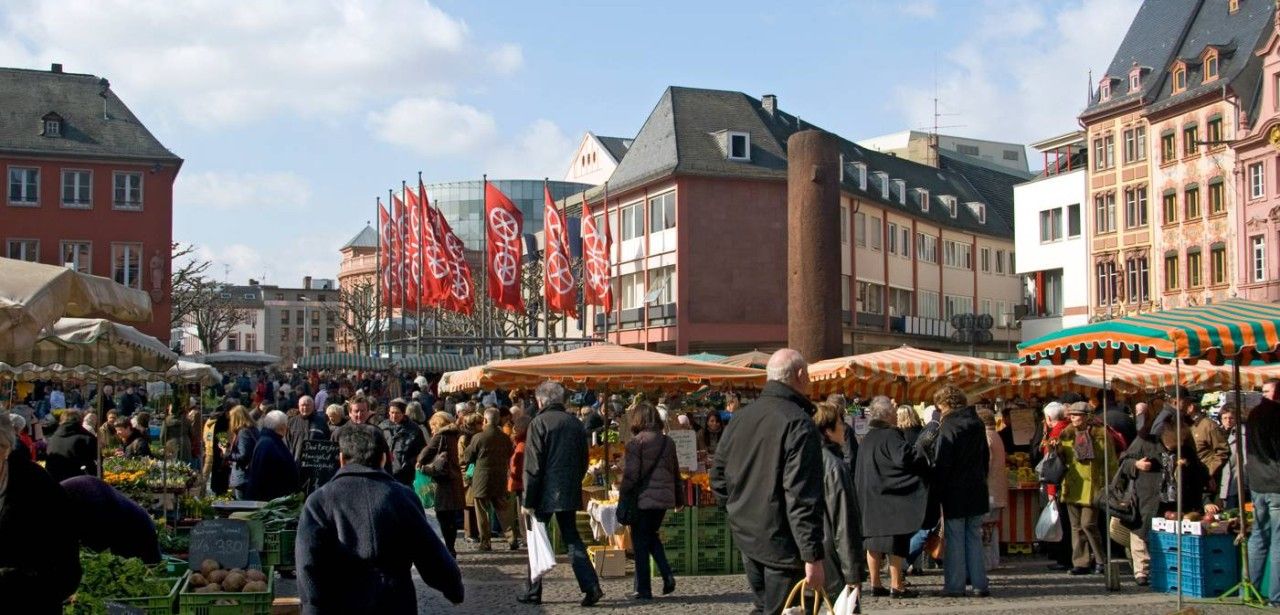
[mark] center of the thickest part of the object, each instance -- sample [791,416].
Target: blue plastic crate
[1208,546]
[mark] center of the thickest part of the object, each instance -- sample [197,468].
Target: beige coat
[997,474]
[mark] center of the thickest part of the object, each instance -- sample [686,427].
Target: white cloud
[247,191]
[434,127]
[283,263]
[542,150]
[216,63]
[924,9]
[1021,75]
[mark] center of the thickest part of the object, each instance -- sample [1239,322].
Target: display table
[1018,519]
[604,519]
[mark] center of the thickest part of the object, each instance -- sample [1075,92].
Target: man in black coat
[960,459]
[555,461]
[72,450]
[1262,468]
[360,534]
[120,525]
[307,425]
[768,473]
[404,438]
[273,471]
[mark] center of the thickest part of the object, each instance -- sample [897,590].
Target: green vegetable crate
[156,605]
[226,603]
[277,548]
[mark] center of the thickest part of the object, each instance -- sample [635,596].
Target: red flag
[399,263]
[557,271]
[504,225]
[384,251]
[461,297]
[436,274]
[598,289]
[413,250]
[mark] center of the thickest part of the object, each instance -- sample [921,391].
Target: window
[1168,149]
[1011,154]
[929,304]
[24,186]
[328,334]
[23,250]
[632,290]
[52,128]
[632,221]
[1104,90]
[1135,81]
[892,238]
[1108,283]
[1256,181]
[1139,280]
[77,255]
[315,334]
[330,318]
[984,259]
[905,241]
[1073,220]
[1052,293]
[315,318]
[126,264]
[739,146]
[300,319]
[284,335]
[662,286]
[284,317]
[1050,225]
[1170,207]
[861,168]
[899,302]
[999,261]
[1217,202]
[1135,207]
[1171,272]
[1135,144]
[985,307]
[968,150]
[76,185]
[128,190]
[956,254]
[251,342]
[870,298]
[958,304]
[1213,131]
[1193,268]
[1218,265]
[1190,139]
[923,196]
[845,281]
[927,248]
[860,228]
[1191,198]
[1211,67]
[979,211]
[233,341]
[950,202]
[876,237]
[662,212]
[1258,257]
[1104,213]
[1179,79]
[1011,267]
[844,225]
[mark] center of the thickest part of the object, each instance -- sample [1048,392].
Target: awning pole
[1177,422]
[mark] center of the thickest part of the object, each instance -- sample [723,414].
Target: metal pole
[435,321]
[1106,481]
[608,253]
[399,268]
[1248,593]
[377,281]
[422,271]
[546,300]
[486,353]
[1177,418]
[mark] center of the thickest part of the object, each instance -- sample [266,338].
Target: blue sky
[293,115]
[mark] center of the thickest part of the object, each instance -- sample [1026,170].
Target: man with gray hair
[555,461]
[490,451]
[273,471]
[768,473]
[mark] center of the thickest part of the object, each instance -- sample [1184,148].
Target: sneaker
[983,593]
[529,599]
[668,585]
[639,596]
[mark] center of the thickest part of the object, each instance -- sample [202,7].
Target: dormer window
[739,146]
[950,203]
[51,125]
[979,211]
[1233,6]
[860,169]
[901,187]
[1211,66]
[922,198]
[1135,80]
[1179,77]
[1104,90]
[882,178]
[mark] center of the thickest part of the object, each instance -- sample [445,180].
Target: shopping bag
[847,601]
[1051,469]
[425,488]
[1047,527]
[541,557]
[821,605]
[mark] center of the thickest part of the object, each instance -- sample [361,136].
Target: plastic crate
[277,548]
[710,516]
[711,561]
[226,603]
[680,560]
[156,605]
[676,536]
[711,537]
[735,561]
[1208,546]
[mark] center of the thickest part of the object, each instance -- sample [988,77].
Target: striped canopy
[908,373]
[82,346]
[437,363]
[602,365]
[1129,378]
[190,371]
[1233,329]
[236,358]
[755,358]
[34,296]
[344,360]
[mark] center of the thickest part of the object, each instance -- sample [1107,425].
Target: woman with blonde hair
[439,460]
[909,423]
[240,446]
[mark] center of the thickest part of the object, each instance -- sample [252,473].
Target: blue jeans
[917,547]
[964,557]
[1264,542]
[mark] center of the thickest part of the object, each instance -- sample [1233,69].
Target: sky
[294,115]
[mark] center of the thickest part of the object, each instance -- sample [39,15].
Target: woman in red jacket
[515,477]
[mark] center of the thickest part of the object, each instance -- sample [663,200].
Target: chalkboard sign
[225,541]
[319,455]
[115,608]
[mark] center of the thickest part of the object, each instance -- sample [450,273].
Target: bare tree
[214,314]
[187,279]
[357,313]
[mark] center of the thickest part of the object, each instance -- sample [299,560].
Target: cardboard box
[609,563]
[1195,528]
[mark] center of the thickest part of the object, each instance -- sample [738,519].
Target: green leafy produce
[106,577]
[280,513]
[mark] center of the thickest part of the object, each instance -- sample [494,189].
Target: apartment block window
[739,146]
[1104,90]
[1011,154]
[1190,139]
[958,304]
[1217,200]
[632,221]
[956,254]
[927,248]
[662,286]
[1256,181]
[1168,148]
[1135,81]
[870,298]
[844,225]
[328,334]
[1139,280]
[1171,271]
[24,186]
[1050,225]
[929,307]
[77,255]
[1012,269]
[315,334]
[999,261]
[1135,207]
[985,259]
[876,236]
[1052,294]
[662,212]
[1218,265]
[284,317]
[632,290]
[1170,201]
[315,318]
[76,188]
[1108,283]
[860,229]
[892,238]
[1194,268]
[845,281]
[1105,213]
[301,318]
[905,241]
[1258,257]
[1211,67]
[251,342]
[1073,220]
[128,190]
[1135,144]
[899,302]
[1191,200]
[1213,131]
[968,150]
[284,335]
[233,342]
[23,249]
[1104,152]
[126,264]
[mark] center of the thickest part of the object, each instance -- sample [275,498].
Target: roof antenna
[1088,90]
[106,87]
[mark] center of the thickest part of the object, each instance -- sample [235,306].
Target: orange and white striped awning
[912,374]
[1149,376]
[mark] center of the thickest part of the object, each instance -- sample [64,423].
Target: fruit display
[212,579]
[1021,474]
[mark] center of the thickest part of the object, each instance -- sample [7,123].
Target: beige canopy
[80,346]
[34,296]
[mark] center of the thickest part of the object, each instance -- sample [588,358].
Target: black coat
[121,526]
[38,569]
[405,441]
[314,427]
[358,536]
[842,522]
[1262,447]
[1147,486]
[72,451]
[138,445]
[768,473]
[891,493]
[450,493]
[960,465]
[273,472]
[491,451]
[555,460]
[1118,419]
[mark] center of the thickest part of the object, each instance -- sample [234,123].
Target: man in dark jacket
[960,460]
[1262,468]
[129,530]
[273,471]
[405,440]
[72,450]
[360,534]
[554,463]
[768,473]
[491,451]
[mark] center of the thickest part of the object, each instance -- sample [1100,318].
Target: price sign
[225,541]
[319,455]
[686,448]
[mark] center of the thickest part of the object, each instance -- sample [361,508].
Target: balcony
[360,265]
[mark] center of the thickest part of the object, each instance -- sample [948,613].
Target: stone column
[813,245]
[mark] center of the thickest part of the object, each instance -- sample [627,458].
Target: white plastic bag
[846,602]
[541,557]
[1047,527]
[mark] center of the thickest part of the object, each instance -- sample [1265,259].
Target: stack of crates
[711,541]
[1210,563]
[677,535]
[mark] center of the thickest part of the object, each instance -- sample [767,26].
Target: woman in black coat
[651,459]
[446,473]
[891,496]
[842,517]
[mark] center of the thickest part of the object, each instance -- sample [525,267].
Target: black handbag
[629,500]
[1051,469]
[1120,500]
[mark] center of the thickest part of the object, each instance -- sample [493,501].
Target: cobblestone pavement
[1022,585]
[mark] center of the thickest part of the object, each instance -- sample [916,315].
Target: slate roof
[683,136]
[366,238]
[1236,36]
[28,95]
[1151,42]
[616,146]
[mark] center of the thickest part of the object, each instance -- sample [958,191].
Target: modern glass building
[463,204]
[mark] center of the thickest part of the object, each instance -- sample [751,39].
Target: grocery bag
[1047,527]
[541,558]
[846,602]
[425,488]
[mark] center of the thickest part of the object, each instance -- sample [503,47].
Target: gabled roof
[1235,36]
[26,96]
[616,146]
[1152,40]
[366,238]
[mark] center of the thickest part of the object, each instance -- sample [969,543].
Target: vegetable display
[107,576]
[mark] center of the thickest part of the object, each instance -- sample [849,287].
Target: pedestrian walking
[768,474]
[515,476]
[1262,464]
[439,460]
[891,497]
[72,450]
[244,438]
[272,471]
[307,424]
[404,440]
[490,451]
[651,470]
[960,478]
[842,514]
[997,485]
[1082,446]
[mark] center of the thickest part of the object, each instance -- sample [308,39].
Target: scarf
[1083,446]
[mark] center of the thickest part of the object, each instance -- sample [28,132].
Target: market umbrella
[34,296]
[231,357]
[437,363]
[707,356]
[1128,377]
[908,373]
[344,361]
[93,345]
[190,371]
[755,358]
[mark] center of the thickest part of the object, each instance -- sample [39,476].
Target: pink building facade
[1257,181]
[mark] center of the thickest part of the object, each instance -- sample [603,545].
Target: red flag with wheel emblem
[557,270]
[461,297]
[597,289]
[436,274]
[504,225]
[384,250]
[412,249]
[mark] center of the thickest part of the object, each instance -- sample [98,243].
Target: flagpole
[399,261]
[563,214]
[435,321]
[546,271]
[422,271]
[609,256]
[484,267]
[407,268]
[377,277]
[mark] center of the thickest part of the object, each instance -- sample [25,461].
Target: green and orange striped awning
[1234,329]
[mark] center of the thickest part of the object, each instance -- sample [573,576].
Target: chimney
[306,283]
[56,68]
[770,103]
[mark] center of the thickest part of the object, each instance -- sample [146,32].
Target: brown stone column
[813,245]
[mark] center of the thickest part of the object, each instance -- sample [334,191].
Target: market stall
[755,359]
[436,363]
[912,374]
[344,361]
[232,360]
[34,296]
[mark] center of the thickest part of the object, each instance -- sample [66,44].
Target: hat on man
[1079,407]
